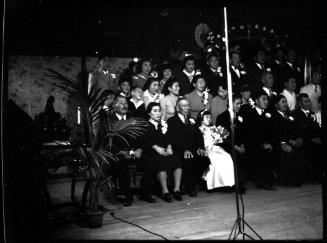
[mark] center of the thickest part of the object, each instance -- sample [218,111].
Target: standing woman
[143,72]
[185,76]
[151,91]
[158,152]
[168,102]
[166,73]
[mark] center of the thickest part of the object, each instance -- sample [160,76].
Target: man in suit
[267,80]
[238,72]
[102,78]
[308,129]
[213,73]
[288,145]
[260,149]
[187,142]
[136,105]
[256,69]
[125,153]
[289,92]
[291,68]
[313,89]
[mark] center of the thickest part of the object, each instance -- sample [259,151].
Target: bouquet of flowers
[219,134]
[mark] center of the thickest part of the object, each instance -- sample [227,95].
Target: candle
[78,115]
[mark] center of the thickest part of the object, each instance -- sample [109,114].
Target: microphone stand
[240,223]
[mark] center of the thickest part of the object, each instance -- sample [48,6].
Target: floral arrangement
[164,126]
[219,134]
[206,96]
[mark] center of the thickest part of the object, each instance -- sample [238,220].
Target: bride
[221,170]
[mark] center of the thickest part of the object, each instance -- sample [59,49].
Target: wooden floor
[287,213]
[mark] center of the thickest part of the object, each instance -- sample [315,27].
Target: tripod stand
[240,223]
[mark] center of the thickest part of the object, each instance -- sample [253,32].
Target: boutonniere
[164,126]
[112,75]
[313,116]
[298,69]
[240,119]
[243,72]
[274,93]
[206,96]
[291,118]
[268,69]
[241,65]
[267,115]
[154,74]
[192,121]
[198,72]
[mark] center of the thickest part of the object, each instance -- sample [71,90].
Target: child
[136,106]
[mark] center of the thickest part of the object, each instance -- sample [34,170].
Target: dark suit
[307,128]
[290,166]
[254,76]
[136,112]
[259,132]
[239,138]
[213,79]
[185,84]
[282,72]
[188,137]
[238,81]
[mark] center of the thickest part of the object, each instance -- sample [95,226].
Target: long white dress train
[221,170]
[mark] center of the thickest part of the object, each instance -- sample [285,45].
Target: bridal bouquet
[219,134]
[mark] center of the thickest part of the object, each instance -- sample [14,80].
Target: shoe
[127,202]
[177,196]
[147,198]
[193,193]
[167,197]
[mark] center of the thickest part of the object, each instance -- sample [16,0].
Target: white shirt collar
[189,74]
[121,117]
[290,64]
[156,124]
[268,91]
[181,117]
[106,72]
[281,113]
[259,65]
[138,103]
[260,111]
[289,92]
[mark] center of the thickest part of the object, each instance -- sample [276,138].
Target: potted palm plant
[95,157]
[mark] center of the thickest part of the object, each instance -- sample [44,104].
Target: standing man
[313,89]
[102,78]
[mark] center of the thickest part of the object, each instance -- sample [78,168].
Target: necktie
[186,121]
[263,67]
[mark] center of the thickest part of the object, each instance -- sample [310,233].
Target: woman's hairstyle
[197,77]
[278,98]
[188,58]
[169,83]
[108,92]
[150,106]
[200,115]
[140,63]
[149,82]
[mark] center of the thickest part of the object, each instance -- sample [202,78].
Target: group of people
[275,124]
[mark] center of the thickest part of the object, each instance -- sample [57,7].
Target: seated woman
[168,102]
[151,91]
[166,74]
[158,152]
[221,169]
[143,70]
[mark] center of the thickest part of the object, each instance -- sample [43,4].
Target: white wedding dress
[221,170]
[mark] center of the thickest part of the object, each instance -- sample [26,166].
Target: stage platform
[288,213]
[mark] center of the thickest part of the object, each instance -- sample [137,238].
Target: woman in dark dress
[158,151]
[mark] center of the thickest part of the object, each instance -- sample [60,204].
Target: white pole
[229,77]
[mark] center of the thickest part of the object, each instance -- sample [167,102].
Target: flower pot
[94,219]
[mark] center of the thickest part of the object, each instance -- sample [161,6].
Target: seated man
[260,149]
[308,129]
[115,120]
[288,145]
[136,105]
[187,143]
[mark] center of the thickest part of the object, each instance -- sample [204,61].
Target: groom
[187,142]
